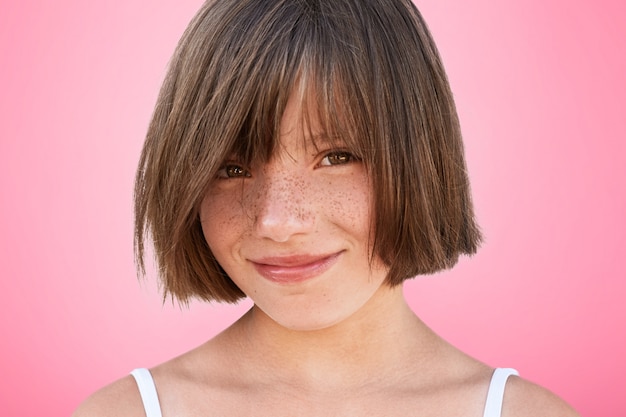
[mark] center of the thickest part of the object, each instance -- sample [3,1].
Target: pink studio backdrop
[541,93]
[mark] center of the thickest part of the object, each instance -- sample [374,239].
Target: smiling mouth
[294,269]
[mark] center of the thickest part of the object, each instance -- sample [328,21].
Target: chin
[311,322]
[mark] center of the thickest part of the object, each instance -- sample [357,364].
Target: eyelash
[233,170]
[340,158]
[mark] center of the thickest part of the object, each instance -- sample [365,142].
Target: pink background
[541,91]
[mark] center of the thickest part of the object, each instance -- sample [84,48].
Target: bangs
[302,55]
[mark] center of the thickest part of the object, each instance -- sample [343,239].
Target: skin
[339,342]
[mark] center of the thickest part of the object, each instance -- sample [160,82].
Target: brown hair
[376,76]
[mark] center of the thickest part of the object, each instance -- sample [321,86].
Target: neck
[374,343]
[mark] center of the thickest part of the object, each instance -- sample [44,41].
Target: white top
[493,405]
[148,392]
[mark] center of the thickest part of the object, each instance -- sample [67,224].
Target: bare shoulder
[525,399]
[121,398]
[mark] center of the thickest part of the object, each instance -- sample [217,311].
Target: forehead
[302,113]
[303,117]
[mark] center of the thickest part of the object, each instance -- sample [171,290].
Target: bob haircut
[374,74]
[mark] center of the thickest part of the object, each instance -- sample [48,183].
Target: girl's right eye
[232,171]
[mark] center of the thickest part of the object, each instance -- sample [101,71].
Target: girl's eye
[232,171]
[337,158]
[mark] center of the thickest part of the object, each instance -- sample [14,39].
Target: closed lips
[294,268]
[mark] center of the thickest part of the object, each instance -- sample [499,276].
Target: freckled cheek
[221,216]
[344,202]
[347,204]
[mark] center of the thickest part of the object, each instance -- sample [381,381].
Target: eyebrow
[323,138]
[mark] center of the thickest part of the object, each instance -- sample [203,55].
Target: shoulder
[121,398]
[525,399]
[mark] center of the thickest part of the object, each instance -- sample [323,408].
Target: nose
[284,206]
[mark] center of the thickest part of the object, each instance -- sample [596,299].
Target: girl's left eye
[337,158]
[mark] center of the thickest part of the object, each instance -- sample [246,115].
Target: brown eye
[337,158]
[232,171]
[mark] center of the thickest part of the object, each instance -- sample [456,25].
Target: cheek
[349,204]
[221,219]
[342,202]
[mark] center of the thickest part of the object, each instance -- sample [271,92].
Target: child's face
[294,233]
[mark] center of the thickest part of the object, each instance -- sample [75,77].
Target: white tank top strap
[148,392]
[493,405]
[495,396]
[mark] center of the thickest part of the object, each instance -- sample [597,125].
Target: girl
[307,154]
